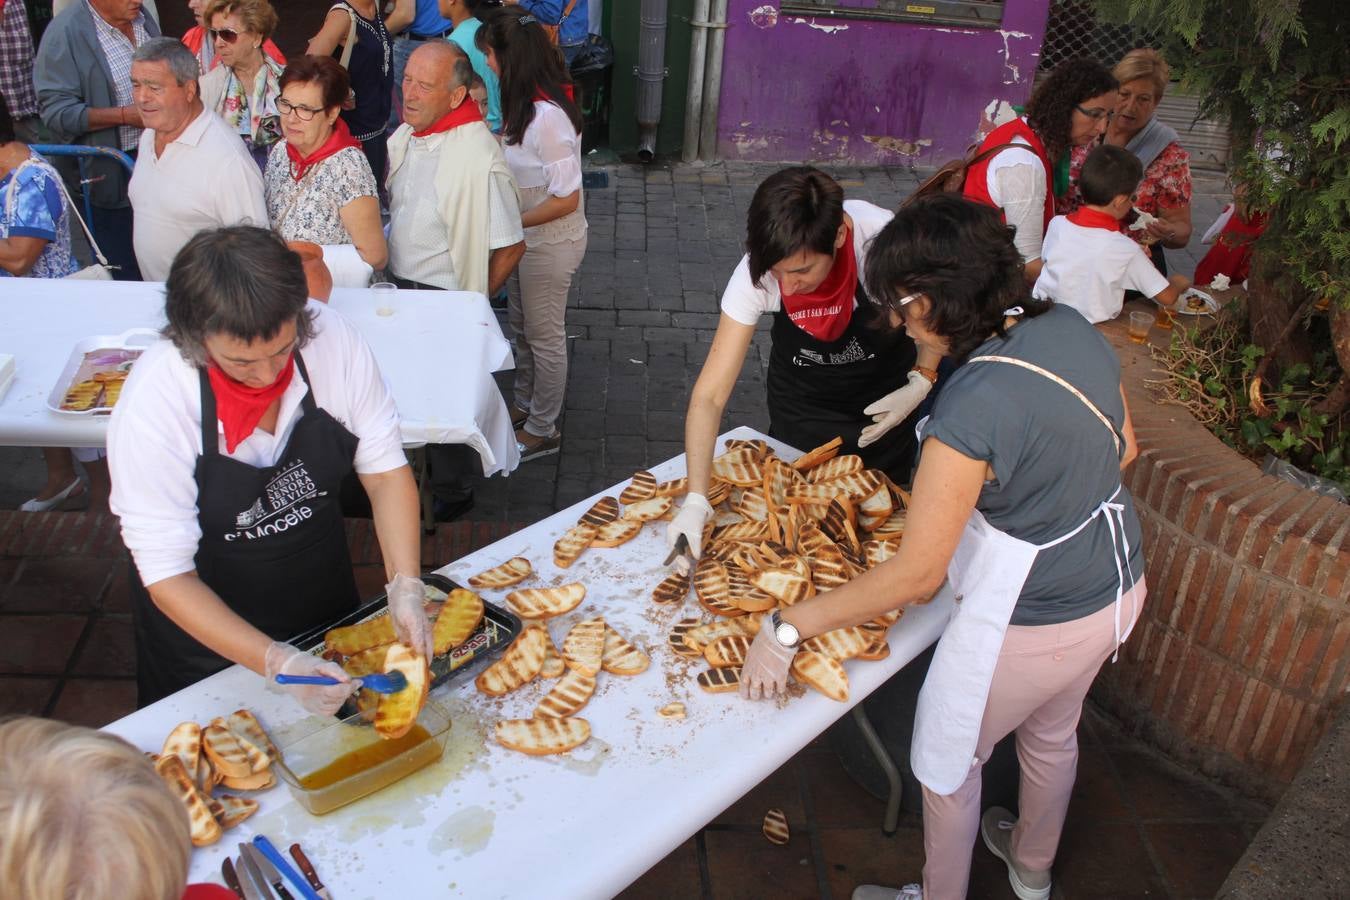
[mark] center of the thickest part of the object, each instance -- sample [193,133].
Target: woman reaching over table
[1018,502]
[832,373]
[1070,109]
[228,449]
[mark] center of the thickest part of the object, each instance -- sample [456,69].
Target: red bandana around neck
[463,114]
[1093,218]
[340,139]
[825,312]
[240,407]
[568,91]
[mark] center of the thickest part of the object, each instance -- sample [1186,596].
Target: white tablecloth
[437,351]
[488,822]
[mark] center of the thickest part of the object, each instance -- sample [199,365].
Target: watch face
[786,633]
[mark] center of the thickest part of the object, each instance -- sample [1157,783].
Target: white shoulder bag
[99,271]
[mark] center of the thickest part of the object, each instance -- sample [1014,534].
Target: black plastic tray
[497,630]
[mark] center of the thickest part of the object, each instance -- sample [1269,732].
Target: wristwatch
[784,632]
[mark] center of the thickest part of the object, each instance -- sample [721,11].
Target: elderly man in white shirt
[192,172]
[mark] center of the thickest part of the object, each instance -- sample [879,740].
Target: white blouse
[549,153]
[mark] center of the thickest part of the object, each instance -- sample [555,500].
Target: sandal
[532,446]
[36,505]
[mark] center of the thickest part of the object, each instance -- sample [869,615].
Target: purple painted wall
[865,92]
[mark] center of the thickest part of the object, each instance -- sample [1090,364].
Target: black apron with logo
[817,390]
[273,546]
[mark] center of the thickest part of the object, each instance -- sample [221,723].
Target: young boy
[478,93]
[1088,262]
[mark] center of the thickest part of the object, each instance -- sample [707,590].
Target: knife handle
[275,858]
[231,879]
[306,866]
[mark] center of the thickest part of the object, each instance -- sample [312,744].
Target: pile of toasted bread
[233,752]
[101,391]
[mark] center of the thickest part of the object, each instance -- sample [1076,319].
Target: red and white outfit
[1017,182]
[1088,263]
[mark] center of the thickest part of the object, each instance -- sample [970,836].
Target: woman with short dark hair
[228,448]
[318,183]
[1018,503]
[832,373]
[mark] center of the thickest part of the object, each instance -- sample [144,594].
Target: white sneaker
[996,827]
[877,892]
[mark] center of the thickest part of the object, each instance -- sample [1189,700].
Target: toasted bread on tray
[541,737]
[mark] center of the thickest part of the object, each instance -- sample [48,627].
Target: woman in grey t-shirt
[1017,504]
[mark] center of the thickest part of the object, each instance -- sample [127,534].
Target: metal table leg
[884,760]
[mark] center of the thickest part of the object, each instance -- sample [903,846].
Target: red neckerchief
[825,312]
[1093,218]
[463,114]
[207,892]
[539,93]
[340,139]
[240,407]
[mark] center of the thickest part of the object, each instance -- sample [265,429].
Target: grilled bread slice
[829,569]
[350,639]
[205,829]
[518,664]
[602,512]
[568,696]
[720,681]
[837,467]
[246,725]
[753,506]
[745,596]
[234,810]
[746,530]
[677,642]
[879,649]
[712,586]
[620,657]
[617,533]
[822,673]
[367,662]
[648,510]
[672,589]
[459,616]
[544,603]
[729,650]
[758,448]
[258,760]
[718,492]
[185,742]
[584,647]
[740,467]
[227,755]
[397,713]
[825,452]
[877,552]
[876,506]
[840,643]
[700,636]
[568,548]
[893,528]
[783,585]
[674,488]
[82,396]
[642,487]
[112,392]
[553,665]
[810,539]
[839,525]
[775,827]
[542,737]
[258,781]
[513,571]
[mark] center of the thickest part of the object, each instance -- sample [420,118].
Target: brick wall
[1240,657]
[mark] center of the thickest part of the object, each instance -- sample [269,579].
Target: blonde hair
[84,816]
[257,16]
[1144,63]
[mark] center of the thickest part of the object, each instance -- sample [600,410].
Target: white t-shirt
[745,301]
[204,179]
[155,436]
[1015,180]
[1091,268]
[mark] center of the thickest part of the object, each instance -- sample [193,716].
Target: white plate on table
[1182,307]
[136,339]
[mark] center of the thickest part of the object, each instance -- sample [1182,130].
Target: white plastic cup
[384,292]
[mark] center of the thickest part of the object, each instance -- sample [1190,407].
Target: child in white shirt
[1088,263]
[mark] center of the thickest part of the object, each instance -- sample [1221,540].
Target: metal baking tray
[497,630]
[79,367]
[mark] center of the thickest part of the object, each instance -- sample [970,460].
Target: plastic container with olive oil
[348,760]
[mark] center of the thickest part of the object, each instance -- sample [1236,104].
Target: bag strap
[351,33]
[1032,367]
[986,154]
[567,11]
[70,204]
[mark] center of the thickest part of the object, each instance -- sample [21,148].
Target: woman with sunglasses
[198,40]
[1023,165]
[1018,503]
[318,183]
[243,89]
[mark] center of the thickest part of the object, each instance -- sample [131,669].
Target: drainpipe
[651,72]
[693,104]
[712,88]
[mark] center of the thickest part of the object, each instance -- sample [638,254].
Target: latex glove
[407,608]
[320,699]
[689,521]
[894,408]
[765,672]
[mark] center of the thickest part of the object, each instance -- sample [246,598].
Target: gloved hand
[689,521]
[407,608]
[765,672]
[320,699]
[894,408]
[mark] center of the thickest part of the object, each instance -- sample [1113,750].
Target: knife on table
[681,548]
[231,879]
[250,879]
[267,849]
[268,871]
[307,867]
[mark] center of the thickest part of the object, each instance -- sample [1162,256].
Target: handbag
[99,271]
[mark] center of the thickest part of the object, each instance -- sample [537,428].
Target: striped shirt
[118,51]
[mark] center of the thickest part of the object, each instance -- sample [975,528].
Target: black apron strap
[210,428]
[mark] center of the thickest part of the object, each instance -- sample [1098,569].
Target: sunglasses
[228,35]
[305,113]
[1096,113]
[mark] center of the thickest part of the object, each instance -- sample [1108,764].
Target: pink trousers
[1042,676]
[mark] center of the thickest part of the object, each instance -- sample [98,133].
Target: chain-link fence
[1073,31]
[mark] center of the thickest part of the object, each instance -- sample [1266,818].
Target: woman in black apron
[272,559]
[832,371]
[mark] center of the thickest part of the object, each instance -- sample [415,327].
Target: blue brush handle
[284,867]
[306,679]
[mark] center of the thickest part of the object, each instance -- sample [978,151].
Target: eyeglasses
[228,35]
[1096,113]
[304,113]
